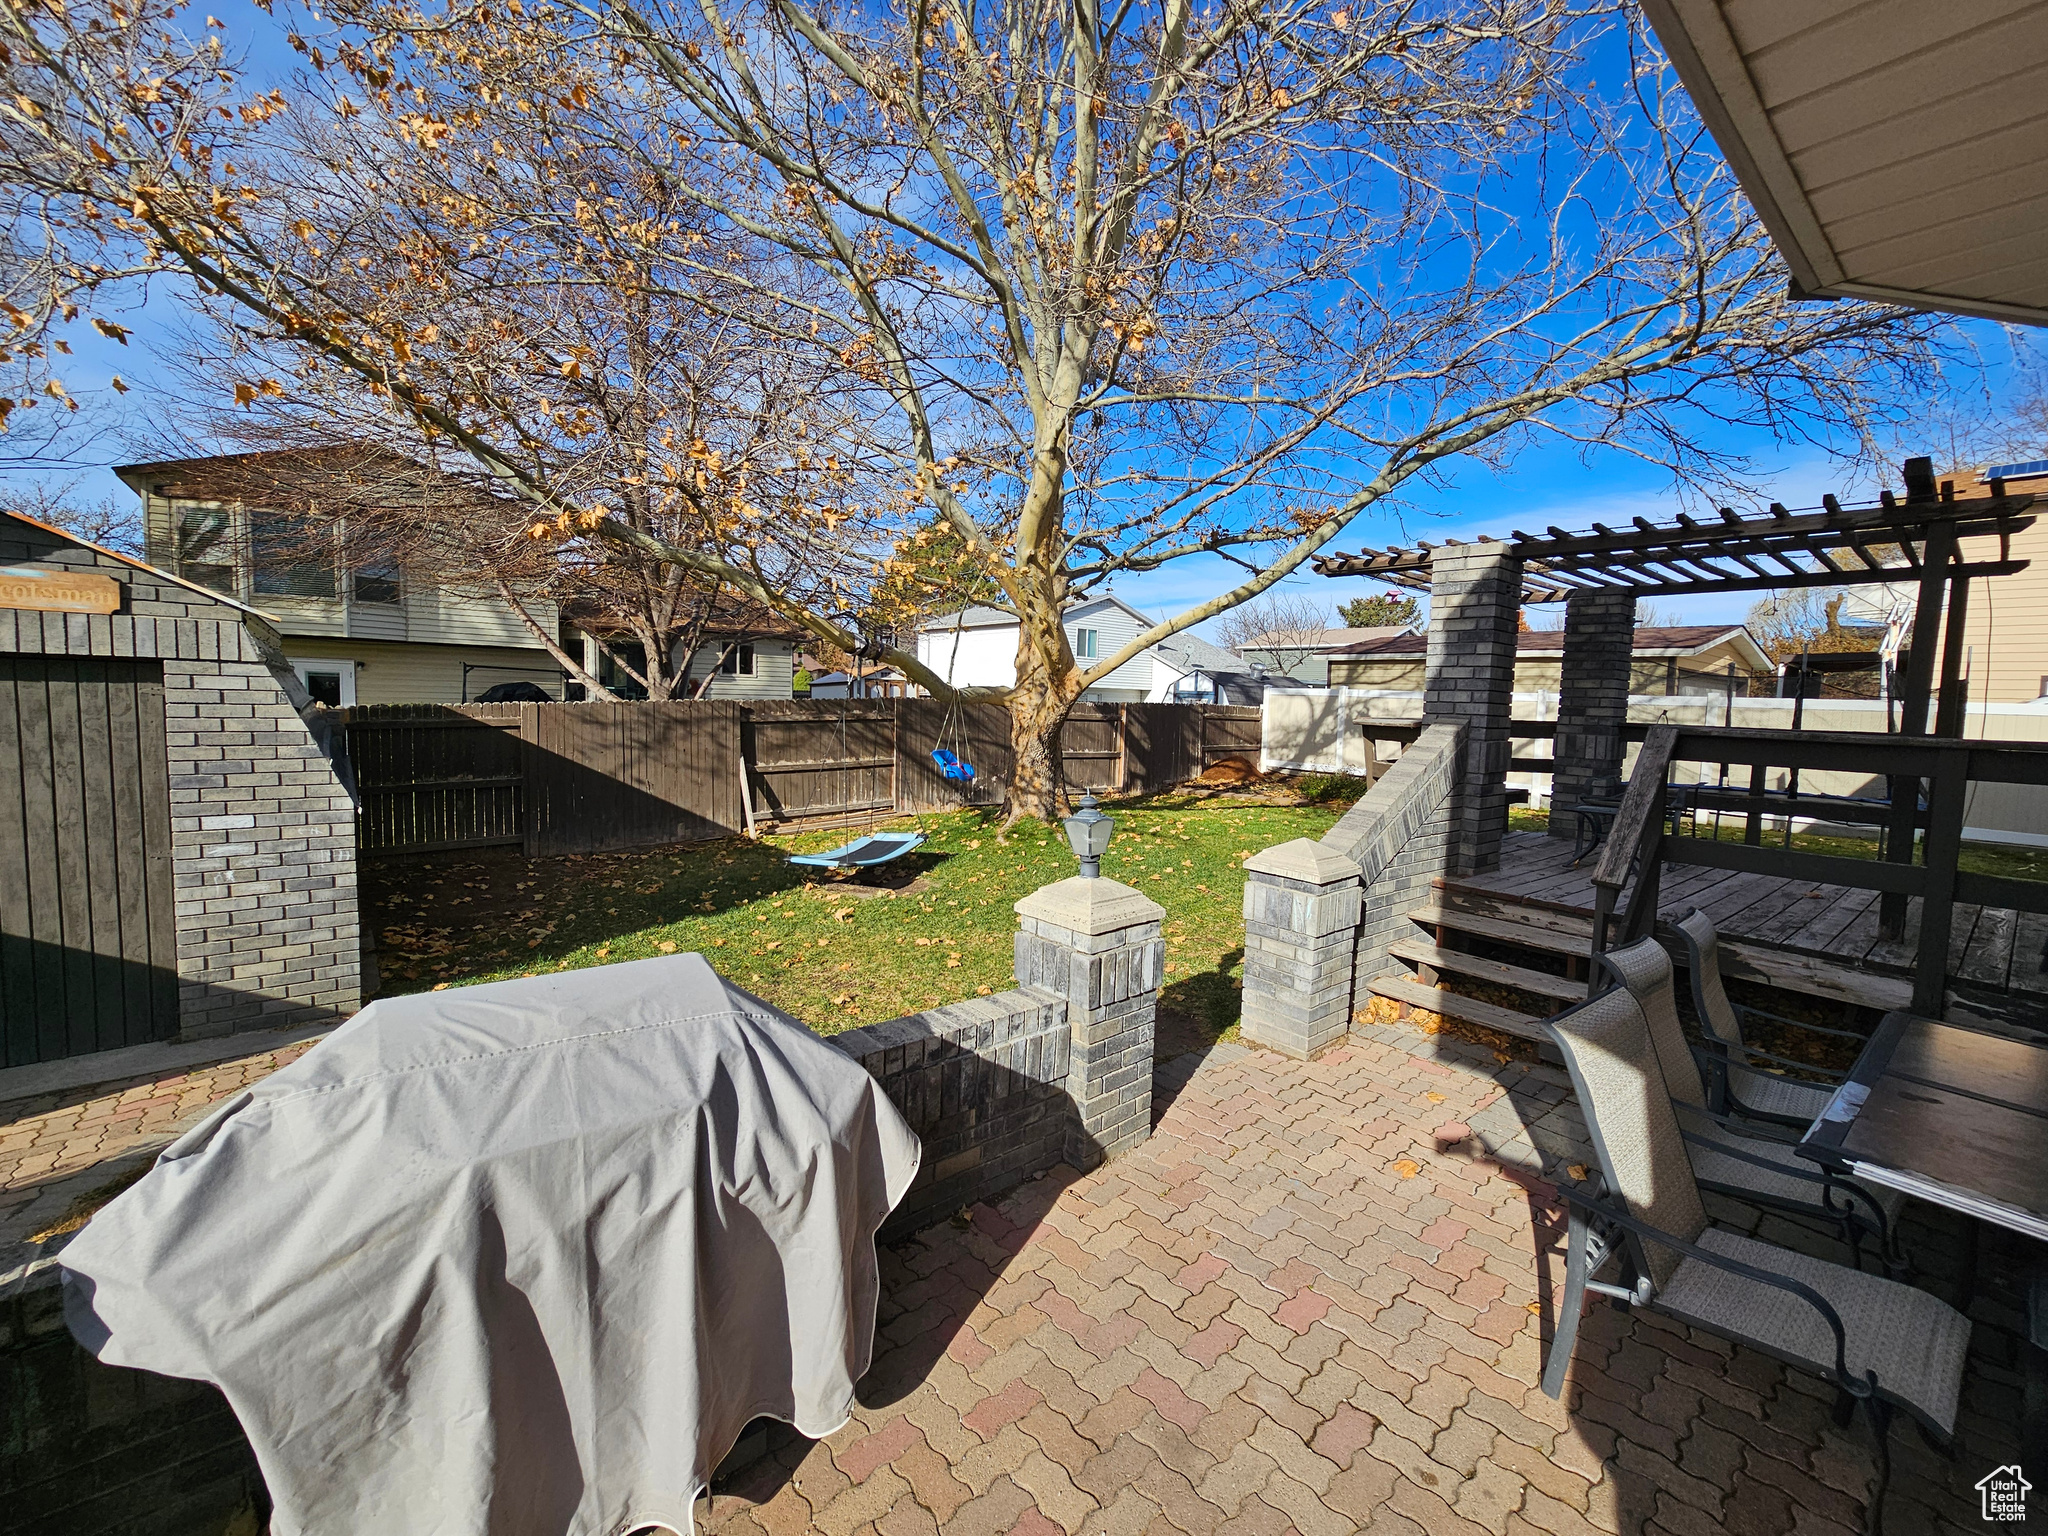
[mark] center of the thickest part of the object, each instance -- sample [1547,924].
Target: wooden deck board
[1988,956]
[1818,943]
[2029,971]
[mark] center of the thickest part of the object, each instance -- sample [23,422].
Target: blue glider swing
[867,849]
[872,848]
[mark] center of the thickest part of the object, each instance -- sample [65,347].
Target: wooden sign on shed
[58,589]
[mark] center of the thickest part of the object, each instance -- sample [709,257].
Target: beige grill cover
[519,1259]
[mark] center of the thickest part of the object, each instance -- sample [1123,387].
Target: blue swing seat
[873,848]
[951,767]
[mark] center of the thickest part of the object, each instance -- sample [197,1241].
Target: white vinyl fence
[1327,730]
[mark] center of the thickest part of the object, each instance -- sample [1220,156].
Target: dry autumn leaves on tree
[780,297]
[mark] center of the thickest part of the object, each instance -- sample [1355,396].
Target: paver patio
[1290,1309]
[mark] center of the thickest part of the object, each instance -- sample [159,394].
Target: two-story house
[355,634]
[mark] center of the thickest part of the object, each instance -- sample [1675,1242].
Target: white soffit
[1895,149]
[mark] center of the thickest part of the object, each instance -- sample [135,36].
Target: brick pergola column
[1475,598]
[1592,699]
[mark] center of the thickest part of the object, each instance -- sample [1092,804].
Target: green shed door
[88,944]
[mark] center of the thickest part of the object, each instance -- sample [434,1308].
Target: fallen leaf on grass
[668,946]
[843,915]
[983,991]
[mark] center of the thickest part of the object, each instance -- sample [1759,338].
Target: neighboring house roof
[1323,639]
[1658,641]
[730,618]
[1186,654]
[285,477]
[982,617]
[157,572]
[1191,653]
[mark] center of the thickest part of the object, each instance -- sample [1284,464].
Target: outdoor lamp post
[1088,833]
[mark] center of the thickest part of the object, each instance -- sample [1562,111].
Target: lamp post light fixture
[1088,834]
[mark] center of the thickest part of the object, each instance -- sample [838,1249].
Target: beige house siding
[774,671]
[2005,626]
[1705,673]
[427,674]
[424,615]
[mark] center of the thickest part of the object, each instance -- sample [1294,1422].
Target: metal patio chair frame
[1736,1162]
[1643,1208]
[1735,1085]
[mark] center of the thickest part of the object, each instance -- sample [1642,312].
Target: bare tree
[1281,617]
[1099,289]
[108,522]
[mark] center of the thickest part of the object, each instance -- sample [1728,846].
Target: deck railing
[1928,781]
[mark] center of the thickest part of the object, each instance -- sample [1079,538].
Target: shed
[177,854]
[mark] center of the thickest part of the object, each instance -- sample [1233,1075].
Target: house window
[376,584]
[203,551]
[332,683]
[738,662]
[1084,645]
[290,555]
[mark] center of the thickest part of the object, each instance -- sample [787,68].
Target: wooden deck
[1818,939]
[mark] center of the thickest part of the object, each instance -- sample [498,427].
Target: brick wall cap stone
[1090,906]
[1305,860]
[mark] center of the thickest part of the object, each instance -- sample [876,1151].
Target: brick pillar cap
[1090,906]
[1305,860]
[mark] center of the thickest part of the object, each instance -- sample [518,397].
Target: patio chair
[1736,1082]
[1876,1341]
[1602,803]
[1727,1160]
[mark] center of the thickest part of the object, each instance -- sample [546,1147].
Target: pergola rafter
[1779,549]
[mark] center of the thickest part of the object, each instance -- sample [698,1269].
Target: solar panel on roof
[2017,471]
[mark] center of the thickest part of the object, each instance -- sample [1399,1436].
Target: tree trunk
[1039,703]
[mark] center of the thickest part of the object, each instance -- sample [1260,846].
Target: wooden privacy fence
[587,778]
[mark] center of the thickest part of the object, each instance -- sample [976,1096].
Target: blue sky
[1548,482]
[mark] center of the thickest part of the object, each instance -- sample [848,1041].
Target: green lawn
[833,959]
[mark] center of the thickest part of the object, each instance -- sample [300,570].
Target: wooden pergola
[1930,539]
[1919,540]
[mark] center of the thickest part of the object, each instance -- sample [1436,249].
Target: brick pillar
[1301,904]
[1097,943]
[1475,598]
[1592,700]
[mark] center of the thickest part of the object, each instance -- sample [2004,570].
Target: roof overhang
[1895,153]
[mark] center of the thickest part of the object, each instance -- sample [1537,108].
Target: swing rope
[952,740]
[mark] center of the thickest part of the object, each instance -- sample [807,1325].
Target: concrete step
[1406,989]
[1542,983]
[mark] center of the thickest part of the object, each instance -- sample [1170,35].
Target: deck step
[1504,931]
[1542,983]
[1569,933]
[1406,989]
